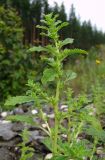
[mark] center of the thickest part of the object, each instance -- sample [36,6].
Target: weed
[79,121]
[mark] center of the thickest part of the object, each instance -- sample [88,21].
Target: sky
[93,10]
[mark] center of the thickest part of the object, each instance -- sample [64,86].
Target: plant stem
[77,133]
[79,130]
[94,148]
[68,134]
[56,118]
[56,127]
[69,97]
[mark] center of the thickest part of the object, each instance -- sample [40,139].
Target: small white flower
[4,114]
[34,111]
[48,156]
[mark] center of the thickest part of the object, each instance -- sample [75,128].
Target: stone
[17,126]
[4,114]
[37,156]
[18,111]
[11,143]
[63,106]
[48,156]
[5,154]
[34,111]
[5,131]
[34,135]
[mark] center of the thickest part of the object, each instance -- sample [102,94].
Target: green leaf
[42,27]
[47,142]
[99,134]
[51,49]
[68,52]
[37,49]
[66,41]
[22,118]
[58,22]
[48,75]
[12,101]
[70,75]
[94,122]
[64,24]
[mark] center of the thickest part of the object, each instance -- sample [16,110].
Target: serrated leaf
[94,122]
[12,101]
[51,49]
[37,49]
[70,75]
[47,142]
[68,52]
[64,24]
[99,134]
[44,34]
[42,27]
[48,75]
[22,118]
[66,41]
[58,22]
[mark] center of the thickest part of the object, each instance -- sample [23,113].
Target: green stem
[69,97]
[94,149]
[48,131]
[77,133]
[56,110]
[56,127]
[69,124]
[79,130]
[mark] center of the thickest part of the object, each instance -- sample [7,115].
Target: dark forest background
[31,11]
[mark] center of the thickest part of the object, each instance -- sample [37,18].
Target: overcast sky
[93,10]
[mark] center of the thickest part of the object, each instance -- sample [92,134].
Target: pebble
[44,125]
[34,111]
[4,114]
[51,116]
[6,132]
[65,109]
[63,106]
[18,111]
[48,156]
[64,135]
[4,121]
[99,150]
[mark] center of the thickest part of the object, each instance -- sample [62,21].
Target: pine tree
[74,26]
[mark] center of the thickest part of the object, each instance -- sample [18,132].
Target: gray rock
[11,143]
[17,126]
[5,154]
[18,111]
[34,135]
[37,157]
[5,131]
